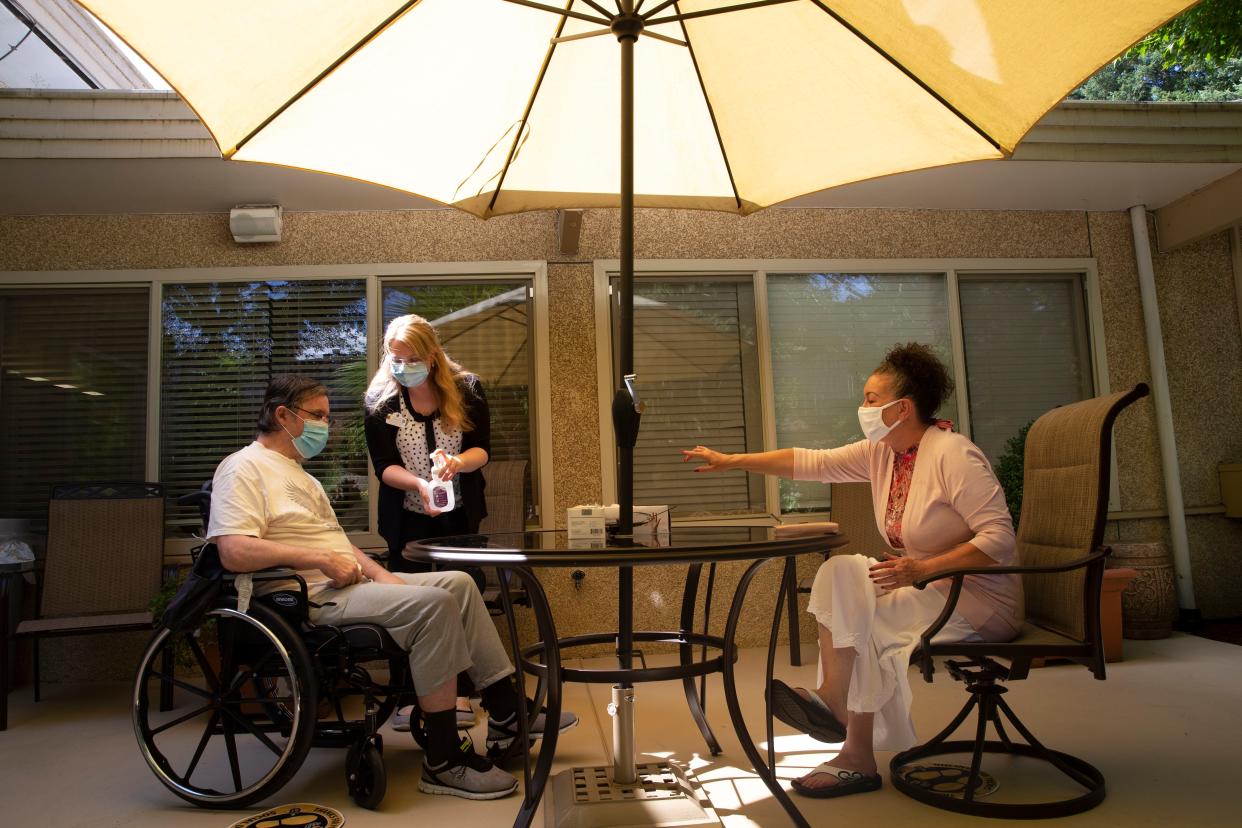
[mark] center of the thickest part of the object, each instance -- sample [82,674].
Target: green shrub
[1009,468]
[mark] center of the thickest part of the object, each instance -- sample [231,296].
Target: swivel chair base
[987,696]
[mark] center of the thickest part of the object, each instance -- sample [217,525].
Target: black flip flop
[848,782]
[802,714]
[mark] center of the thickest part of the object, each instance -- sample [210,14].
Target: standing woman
[421,402]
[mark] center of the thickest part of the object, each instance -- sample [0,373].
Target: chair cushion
[85,624]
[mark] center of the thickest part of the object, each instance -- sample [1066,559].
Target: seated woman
[939,504]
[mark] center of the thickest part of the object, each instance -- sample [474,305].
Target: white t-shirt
[263,494]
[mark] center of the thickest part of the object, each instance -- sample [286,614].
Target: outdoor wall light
[251,223]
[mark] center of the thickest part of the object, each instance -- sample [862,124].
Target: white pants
[883,628]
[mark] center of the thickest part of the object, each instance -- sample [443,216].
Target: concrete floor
[1164,729]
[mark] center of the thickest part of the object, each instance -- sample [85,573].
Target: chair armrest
[955,592]
[1102,552]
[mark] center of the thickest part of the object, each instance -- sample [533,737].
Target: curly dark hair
[288,390]
[917,373]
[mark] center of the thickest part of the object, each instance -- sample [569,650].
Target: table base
[664,795]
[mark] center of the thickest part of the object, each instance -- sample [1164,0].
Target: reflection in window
[27,62]
[73,391]
[829,331]
[484,327]
[223,341]
[1026,351]
[698,372]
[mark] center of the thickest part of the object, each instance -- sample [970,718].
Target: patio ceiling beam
[1203,213]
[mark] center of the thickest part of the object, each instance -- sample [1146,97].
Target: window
[743,358]
[73,390]
[221,344]
[484,327]
[828,332]
[698,372]
[1026,349]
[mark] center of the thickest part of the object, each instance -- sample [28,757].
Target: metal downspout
[1164,411]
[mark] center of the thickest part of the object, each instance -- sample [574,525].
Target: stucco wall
[1199,315]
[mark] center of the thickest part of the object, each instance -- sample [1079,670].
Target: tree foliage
[1197,56]
[1207,34]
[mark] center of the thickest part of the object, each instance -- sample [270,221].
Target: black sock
[443,743]
[500,699]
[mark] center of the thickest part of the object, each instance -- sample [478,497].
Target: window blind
[697,368]
[485,328]
[1026,351]
[222,342]
[829,331]
[73,379]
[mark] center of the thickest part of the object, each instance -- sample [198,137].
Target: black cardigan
[382,446]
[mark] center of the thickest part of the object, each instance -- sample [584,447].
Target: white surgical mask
[871,418]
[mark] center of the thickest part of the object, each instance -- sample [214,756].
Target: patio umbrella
[501,106]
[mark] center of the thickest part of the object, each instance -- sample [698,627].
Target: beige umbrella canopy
[473,103]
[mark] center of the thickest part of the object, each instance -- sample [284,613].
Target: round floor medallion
[947,779]
[298,815]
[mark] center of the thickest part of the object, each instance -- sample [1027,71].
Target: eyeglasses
[315,415]
[401,364]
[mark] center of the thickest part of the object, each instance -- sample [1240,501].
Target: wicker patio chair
[105,548]
[1064,505]
[506,512]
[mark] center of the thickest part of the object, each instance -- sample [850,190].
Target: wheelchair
[256,689]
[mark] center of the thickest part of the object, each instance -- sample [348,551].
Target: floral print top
[903,471]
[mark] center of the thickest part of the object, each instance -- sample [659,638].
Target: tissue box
[586,523]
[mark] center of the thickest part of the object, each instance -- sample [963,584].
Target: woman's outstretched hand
[712,460]
[896,571]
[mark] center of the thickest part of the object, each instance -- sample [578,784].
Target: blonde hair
[418,335]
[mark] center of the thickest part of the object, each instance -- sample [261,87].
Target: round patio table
[517,554]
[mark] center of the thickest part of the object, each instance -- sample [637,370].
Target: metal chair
[105,548]
[1064,504]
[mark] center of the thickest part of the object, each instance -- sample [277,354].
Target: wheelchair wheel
[365,773]
[243,726]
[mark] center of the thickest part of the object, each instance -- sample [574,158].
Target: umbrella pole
[626,408]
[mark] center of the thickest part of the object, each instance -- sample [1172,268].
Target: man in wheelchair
[267,511]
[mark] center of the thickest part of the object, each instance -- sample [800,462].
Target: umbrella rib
[346,55]
[673,18]
[911,75]
[598,8]
[711,112]
[534,92]
[565,12]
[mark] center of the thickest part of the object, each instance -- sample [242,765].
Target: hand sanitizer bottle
[441,490]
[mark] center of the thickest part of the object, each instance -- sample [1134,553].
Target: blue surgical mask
[410,374]
[312,440]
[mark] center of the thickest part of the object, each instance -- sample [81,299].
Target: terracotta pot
[1149,605]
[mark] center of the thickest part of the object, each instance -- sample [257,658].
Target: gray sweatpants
[438,617]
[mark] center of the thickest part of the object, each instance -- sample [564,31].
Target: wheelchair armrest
[276,573]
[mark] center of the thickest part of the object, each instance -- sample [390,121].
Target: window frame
[758,269]
[372,275]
